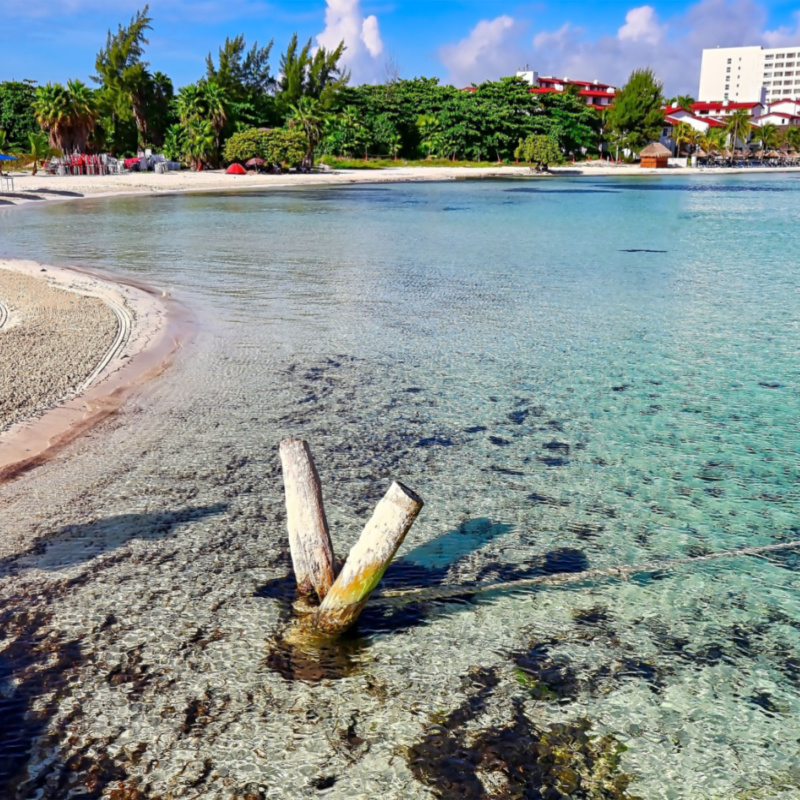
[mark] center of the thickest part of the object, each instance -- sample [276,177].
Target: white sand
[52,341]
[47,187]
[73,345]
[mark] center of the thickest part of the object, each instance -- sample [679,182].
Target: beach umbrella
[236,169]
[255,162]
[4,157]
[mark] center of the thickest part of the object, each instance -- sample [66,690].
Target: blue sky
[460,41]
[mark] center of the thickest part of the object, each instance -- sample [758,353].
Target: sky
[459,41]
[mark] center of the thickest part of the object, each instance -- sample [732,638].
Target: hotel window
[767,83]
[767,58]
[790,63]
[767,74]
[791,55]
[781,55]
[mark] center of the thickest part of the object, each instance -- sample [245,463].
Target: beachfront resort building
[750,74]
[595,94]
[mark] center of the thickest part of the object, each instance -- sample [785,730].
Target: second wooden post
[369,559]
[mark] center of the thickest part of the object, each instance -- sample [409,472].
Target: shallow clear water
[572,373]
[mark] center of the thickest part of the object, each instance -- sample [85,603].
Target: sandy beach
[72,346]
[40,188]
[50,344]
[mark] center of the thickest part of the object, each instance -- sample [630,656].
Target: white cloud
[783,36]
[362,36]
[557,39]
[672,46]
[490,51]
[371,36]
[641,25]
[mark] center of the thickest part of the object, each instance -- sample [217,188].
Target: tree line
[240,109]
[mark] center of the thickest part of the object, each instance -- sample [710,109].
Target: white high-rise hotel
[750,74]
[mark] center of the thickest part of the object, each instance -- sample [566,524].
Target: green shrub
[284,146]
[538,149]
[247,144]
[277,146]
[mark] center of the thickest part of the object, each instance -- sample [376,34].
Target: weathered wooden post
[368,560]
[309,539]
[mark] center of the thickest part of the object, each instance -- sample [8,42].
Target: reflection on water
[559,404]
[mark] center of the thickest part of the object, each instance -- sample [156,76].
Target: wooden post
[368,560]
[309,539]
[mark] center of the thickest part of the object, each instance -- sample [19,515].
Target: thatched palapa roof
[655,150]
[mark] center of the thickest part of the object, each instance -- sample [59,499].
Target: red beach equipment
[236,169]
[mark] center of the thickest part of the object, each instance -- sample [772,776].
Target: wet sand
[73,345]
[42,188]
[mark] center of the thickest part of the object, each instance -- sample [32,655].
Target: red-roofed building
[674,115]
[776,118]
[726,108]
[785,106]
[595,94]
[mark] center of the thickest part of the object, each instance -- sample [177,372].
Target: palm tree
[68,114]
[792,138]
[189,103]
[308,114]
[353,129]
[683,133]
[738,128]
[200,142]
[175,142]
[684,101]
[428,126]
[216,104]
[38,151]
[768,136]
[204,101]
[713,141]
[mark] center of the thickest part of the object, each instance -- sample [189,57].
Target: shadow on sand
[76,544]
[36,659]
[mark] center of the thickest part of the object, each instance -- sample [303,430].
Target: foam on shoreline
[133,333]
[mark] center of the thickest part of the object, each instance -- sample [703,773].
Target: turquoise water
[573,374]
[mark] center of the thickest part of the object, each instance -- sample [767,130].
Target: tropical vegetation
[132,107]
[637,116]
[540,150]
[239,110]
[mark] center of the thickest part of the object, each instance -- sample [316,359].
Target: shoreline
[150,329]
[41,189]
[153,328]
